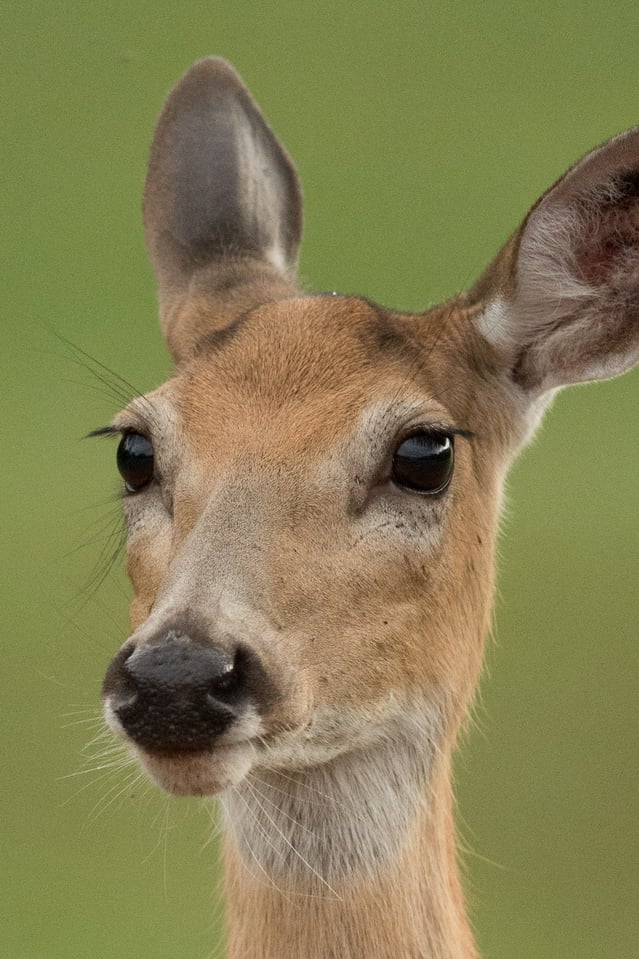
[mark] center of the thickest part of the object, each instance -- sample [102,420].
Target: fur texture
[276,530]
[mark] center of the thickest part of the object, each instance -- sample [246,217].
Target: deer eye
[423,462]
[135,461]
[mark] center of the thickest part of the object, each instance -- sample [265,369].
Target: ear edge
[535,298]
[181,246]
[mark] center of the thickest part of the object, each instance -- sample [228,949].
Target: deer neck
[355,859]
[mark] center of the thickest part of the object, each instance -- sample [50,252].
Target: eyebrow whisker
[104,431]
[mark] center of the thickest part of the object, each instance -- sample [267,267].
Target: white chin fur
[199,774]
[340,803]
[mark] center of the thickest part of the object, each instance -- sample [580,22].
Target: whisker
[85,772]
[105,737]
[102,805]
[103,752]
[236,824]
[155,824]
[291,846]
[94,710]
[93,782]
[165,850]
[255,779]
[98,369]
[330,800]
[87,721]
[217,828]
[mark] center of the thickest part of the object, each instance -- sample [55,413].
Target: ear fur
[220,191]
[562,298]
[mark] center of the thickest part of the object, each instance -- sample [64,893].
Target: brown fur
[273,519]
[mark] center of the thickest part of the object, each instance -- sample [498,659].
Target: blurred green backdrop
[422,131]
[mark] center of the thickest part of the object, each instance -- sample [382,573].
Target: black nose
[177,695]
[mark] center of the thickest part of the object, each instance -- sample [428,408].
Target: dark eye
[424,462]
[135,461]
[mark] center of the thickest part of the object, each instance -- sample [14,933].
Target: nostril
[229,681]
[220,687]
[117,686]
[225,678]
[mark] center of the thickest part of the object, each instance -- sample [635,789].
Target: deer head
[312,500]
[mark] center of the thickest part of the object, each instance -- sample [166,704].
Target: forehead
[321,358]
[310,371]
[332,337]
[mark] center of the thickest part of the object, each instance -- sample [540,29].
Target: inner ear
[561,301]
[610,229]
[220,189]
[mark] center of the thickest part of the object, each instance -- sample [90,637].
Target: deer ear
[220,187]
[562,297]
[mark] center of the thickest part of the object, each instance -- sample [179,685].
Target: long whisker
[236,825]
[106,774]
[115,383]
[212,811]
[116,791]
[87,721]
[292,819]
[290,844]
[330,800]
[115,764]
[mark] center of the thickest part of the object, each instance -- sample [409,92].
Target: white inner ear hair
[577,282]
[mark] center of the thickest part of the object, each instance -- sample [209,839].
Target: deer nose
[177,695]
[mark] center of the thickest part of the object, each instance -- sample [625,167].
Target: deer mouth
[198,773]
[177,756]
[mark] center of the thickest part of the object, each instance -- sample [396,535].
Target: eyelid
[104,431]
[121,429]
[445,428]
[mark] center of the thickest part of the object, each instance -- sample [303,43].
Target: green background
[422,132]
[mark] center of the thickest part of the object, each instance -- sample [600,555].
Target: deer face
[312,500]
[316,490]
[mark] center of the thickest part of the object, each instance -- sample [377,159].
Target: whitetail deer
[312,504]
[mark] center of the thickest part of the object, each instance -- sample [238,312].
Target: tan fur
[273,521]
[412,909]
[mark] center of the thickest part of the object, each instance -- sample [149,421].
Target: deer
[312,503]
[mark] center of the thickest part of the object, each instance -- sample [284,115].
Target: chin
[206,773]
